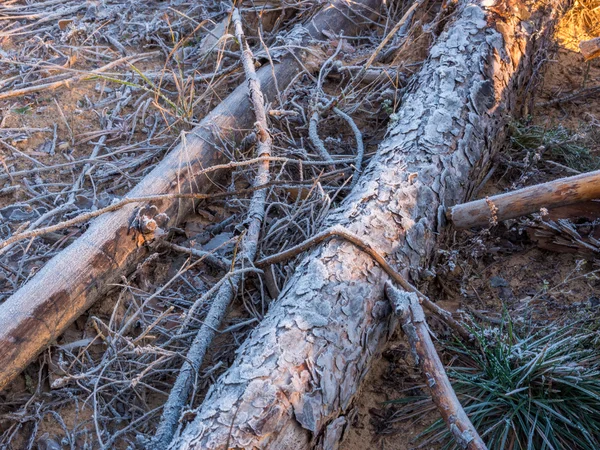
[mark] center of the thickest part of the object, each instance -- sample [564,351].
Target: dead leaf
[64,23]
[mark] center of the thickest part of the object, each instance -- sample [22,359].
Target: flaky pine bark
[294,379]
[71,282]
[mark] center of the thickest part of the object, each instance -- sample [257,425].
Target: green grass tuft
[538,392]
[559,143]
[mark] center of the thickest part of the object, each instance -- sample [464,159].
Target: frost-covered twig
[360,147]
[249,245]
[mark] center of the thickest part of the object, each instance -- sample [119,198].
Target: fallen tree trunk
[529,200]
[295,377]
[71,282]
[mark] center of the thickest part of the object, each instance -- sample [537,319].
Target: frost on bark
[295,378]
[37,314]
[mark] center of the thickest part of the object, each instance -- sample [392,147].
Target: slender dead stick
[229,165]
[360,146]
[340,232]
[85,76]
[316,140]
[407,307]
[216,261]
[85,217]
[561,192]
[249,245]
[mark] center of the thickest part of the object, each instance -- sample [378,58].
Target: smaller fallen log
[561,192]
[590,49]
[38,313]
[408,309]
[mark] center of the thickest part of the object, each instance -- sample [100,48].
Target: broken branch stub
[529,200]
[294,380]
[36,315]
[590,49]
[407,308]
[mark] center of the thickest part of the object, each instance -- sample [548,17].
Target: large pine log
[71,282]
[295,377]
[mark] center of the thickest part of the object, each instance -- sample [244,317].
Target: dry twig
[407,308]
[249,245]
[340,232]
[82,77]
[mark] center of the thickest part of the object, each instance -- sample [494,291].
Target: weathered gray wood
[529,200]
[295,377]
[408,309]
[72,281]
